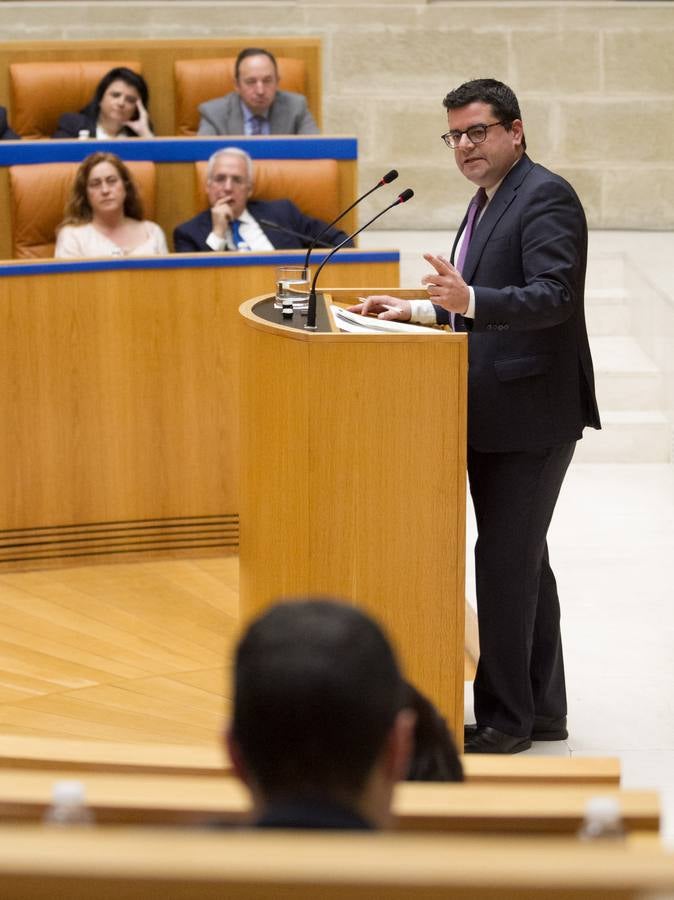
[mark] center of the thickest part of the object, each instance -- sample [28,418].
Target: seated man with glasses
[232,223]
[256,106]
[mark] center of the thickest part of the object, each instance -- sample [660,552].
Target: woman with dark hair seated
[434,757]
[6,133]
[104,214]
[118,110]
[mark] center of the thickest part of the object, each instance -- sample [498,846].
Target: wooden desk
[119,389]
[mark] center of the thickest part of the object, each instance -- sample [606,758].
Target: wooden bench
[22,752]
[178,799]
[134,864]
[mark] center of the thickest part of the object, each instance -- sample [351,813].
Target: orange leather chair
[43,91]
[311,184]
[38,198]
[198,80]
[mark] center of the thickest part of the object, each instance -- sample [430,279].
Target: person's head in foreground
[435,756]
[319,732]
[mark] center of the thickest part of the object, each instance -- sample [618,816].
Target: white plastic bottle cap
[603,809]
[68,793]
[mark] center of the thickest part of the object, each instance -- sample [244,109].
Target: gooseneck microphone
[303,237]
[406,195]
[386,179]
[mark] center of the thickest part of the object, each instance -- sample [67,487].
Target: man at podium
[515,283]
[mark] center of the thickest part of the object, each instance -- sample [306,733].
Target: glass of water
[292,284]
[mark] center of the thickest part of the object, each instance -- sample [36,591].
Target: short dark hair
[316,692]
[252,51]
[435,757]
[120,73]
[498,95]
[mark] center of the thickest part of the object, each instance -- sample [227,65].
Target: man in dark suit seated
[256,106]
[232,223]
[6,133]
[318,734]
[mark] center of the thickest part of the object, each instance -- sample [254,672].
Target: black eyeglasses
[475,134]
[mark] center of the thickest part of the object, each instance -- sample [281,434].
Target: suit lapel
[235,117]
[497,206]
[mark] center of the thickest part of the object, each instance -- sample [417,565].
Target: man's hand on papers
[383,306]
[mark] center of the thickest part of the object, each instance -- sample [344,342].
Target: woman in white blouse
[104,214]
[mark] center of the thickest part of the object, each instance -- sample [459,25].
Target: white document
[353,322]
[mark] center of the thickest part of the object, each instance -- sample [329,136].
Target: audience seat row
[39,193]
[42,91]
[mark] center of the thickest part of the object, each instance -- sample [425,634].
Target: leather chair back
[198,80]
[38,197]
[43,91]
[311,184]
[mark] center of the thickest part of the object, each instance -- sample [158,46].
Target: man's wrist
[215,242]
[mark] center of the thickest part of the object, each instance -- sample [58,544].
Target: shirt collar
[248,114]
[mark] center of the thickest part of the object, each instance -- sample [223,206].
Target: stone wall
[595,82]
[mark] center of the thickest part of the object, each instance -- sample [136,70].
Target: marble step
[626,377]
[628,436]
[607,312]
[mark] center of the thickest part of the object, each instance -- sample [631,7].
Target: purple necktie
[256,124]
[476,205]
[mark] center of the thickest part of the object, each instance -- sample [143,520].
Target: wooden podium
[353,480]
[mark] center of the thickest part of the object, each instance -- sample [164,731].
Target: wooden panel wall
[119,398]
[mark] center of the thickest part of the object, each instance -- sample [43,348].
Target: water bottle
[603,820]
[69,805]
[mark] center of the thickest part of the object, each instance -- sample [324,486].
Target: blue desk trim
[192,261]
[178,149]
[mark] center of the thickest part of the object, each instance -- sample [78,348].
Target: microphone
[406,195]
[303,237]
[386,179]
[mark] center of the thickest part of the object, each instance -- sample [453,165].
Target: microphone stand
[387,179]
[311,311]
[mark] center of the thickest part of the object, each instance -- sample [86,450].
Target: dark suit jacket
[314,815]
[530,379]
[190,237]
[70,125]
[6,133]
[288,114]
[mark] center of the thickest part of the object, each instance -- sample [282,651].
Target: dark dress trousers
[6,133]
[190,237]
[530,394]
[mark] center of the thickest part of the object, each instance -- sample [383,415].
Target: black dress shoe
[486,739]
[549,729]
[468,732]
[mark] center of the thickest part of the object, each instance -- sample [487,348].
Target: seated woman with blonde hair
[104,214]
